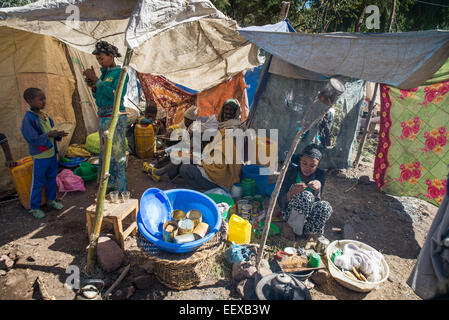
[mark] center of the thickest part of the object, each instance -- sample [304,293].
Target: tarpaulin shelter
[403,63]
[285,96]
[188,42]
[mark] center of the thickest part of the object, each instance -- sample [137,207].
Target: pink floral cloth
[413,155]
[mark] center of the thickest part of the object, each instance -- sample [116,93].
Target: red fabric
[209,102]
[166,95]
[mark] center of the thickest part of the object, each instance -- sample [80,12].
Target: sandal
[55,205]
[37,213]
[153,176]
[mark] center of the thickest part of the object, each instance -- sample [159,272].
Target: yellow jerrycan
[239,230]
[145,140]
[22,176]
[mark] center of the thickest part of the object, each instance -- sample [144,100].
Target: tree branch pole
[372,102]
[371,106]
[285,6]
[106,161]
[281,178]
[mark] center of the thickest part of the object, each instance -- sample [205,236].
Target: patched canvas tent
[188,42]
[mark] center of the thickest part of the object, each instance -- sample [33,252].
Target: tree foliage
[14,3]
[340,15]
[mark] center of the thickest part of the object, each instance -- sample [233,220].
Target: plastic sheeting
[285,102]
[30,60]
[404,60]
[188,42]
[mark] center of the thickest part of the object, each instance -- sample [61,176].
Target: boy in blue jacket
[37,129]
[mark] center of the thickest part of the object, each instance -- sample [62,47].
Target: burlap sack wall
[30,60]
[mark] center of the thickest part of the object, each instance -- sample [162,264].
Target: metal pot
[90,291]
[283,287]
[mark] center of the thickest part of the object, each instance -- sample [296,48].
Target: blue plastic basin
[155,209]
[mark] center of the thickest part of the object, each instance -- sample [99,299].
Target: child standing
[37,131]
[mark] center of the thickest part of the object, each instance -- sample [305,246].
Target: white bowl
[344,280]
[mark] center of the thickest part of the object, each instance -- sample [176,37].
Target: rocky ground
[49,248]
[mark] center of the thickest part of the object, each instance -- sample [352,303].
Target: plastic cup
[113,195]
[125,196]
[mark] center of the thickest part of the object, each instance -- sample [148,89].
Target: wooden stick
[109,133]
[304,128]
[43,290]
[365,127]
[117,282]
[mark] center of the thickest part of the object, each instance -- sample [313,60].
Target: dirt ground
[396,226]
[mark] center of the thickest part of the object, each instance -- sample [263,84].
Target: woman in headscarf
[103,92]
[303,210]
[229,116]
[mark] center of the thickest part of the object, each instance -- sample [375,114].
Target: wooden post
[372,102]
[106,161]
[285,7]
[365,131]
[304,128]
[328,96]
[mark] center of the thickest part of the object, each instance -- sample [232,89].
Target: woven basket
[181,271]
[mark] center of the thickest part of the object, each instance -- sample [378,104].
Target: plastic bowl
[219,198]
[92,175]
[345,281]
[155,209]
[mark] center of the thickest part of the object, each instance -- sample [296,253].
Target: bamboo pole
[106,161]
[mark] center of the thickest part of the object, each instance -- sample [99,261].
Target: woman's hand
[91,77]
[296,189]
[315,185]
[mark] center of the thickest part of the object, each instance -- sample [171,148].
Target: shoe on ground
[55,205]
[37,213]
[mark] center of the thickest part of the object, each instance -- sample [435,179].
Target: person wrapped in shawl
[229,116]
[103,92]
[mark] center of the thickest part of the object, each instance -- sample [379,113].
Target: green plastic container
[86,168]
[218,198]
[258,229]
[92,175]
[314,260]
[248,187]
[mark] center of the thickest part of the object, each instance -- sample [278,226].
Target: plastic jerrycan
[239,230]
[22,176]
[145,140]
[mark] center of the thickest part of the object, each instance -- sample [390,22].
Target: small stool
[115,213]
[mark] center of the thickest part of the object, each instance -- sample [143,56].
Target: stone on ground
[109,254]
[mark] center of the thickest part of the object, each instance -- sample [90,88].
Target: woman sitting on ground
[303,210]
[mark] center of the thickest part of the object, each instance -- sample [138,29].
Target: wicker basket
[181,271]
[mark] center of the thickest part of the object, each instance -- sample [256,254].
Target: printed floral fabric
[169,97]
[413,154]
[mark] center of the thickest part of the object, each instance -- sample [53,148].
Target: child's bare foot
[287,232]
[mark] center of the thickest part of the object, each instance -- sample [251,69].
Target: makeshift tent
[197,46]
[404,60]
[285,95]
[30,60]
[411,157]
